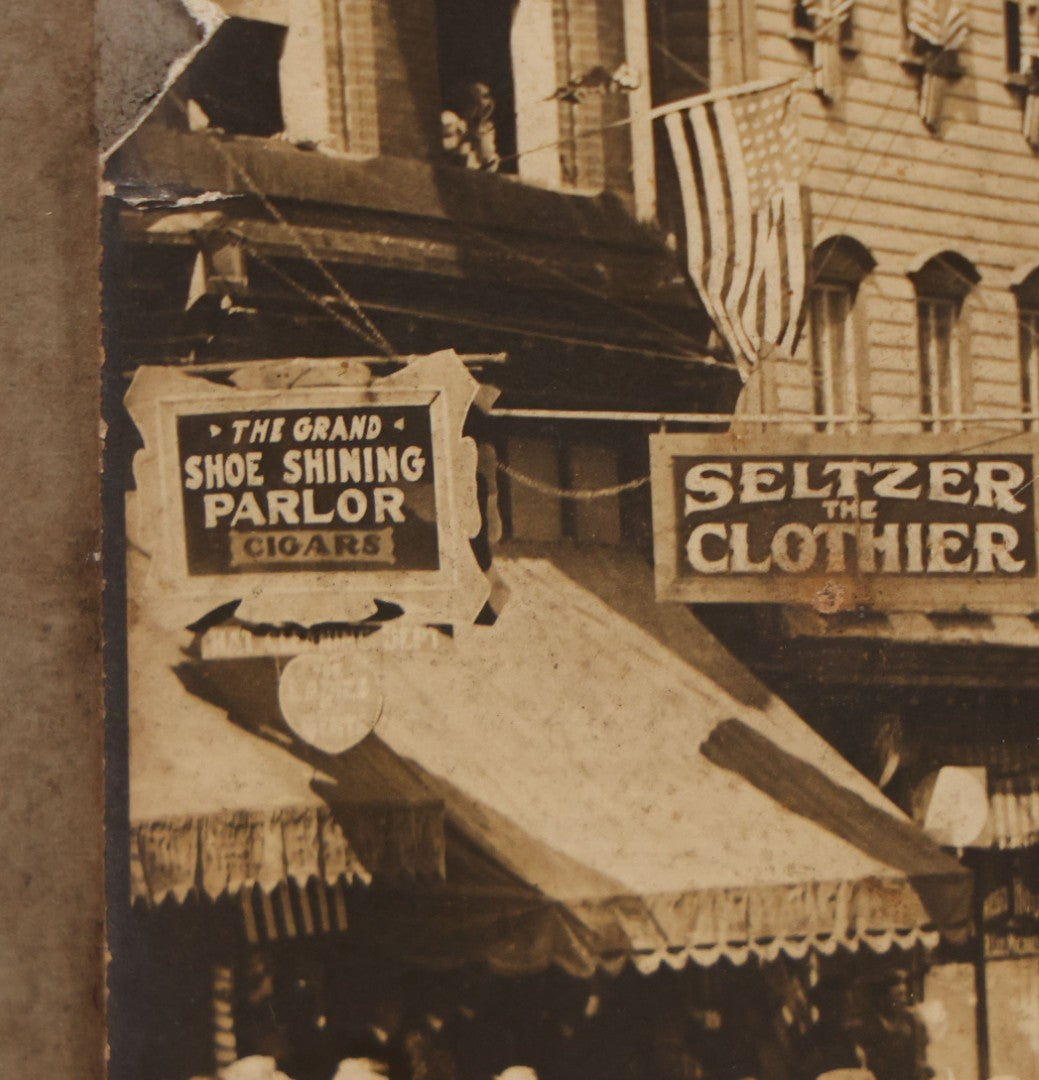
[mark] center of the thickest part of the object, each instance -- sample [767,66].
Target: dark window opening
[942,284]
[234,79]
[1028,347]
[839,265]
[679,49]
[1012,30]
[476,82]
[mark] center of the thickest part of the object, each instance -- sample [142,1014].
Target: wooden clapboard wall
[878,175]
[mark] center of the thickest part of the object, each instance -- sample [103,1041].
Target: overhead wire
[362,326]
[542,264]
[316,298]
[376,335]
[547,335]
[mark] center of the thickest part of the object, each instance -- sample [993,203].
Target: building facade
[922,176]
[386,178]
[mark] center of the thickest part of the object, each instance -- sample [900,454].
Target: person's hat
[361,1069]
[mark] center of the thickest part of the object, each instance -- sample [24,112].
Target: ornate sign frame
[455,591]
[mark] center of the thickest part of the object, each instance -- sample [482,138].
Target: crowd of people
[769,1023]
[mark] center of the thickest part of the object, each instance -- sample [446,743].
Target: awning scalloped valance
[223,853]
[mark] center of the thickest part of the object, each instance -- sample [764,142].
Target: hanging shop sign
[307,489]
[923,523]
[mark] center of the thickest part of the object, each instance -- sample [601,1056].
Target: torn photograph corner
[573,588]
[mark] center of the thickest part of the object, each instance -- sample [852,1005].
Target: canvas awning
[217,811]
[617,787]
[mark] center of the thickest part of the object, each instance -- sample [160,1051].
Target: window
[234,80]
[538,469]
[477,92]
[699,44]
[838,268]
[1021,30]
[942,285]
[1028,347]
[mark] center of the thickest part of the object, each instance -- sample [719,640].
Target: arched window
[942,284]
[838,268]
[1027,292]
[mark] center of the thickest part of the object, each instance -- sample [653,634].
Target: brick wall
[877,174]
[362,76]
[590,33]
[407,83]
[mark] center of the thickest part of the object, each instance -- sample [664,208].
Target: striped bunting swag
[941,36]
[1030,121]
[828,19]
[746,222]
[1028,37]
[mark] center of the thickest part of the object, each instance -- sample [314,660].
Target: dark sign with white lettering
[886,528]
[308,489]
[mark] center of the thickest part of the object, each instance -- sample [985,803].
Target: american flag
[746,225]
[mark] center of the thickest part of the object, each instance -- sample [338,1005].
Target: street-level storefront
[939,709]
[553,879]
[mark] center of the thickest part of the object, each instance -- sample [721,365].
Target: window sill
[918,64]
[1020,82]
[807,38]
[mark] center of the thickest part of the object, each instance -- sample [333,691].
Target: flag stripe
[770,256]
[746,229]
[681,151]
[728,170]
[716,194]
[717,201]
[797,268]
[742,216]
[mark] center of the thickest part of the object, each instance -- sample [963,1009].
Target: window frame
[1026,291]
[1028,356]
[943,283]
[840,265]
[835,390]
[939,370]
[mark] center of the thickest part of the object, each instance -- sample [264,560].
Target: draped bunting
[938,37]
[828,19]
[1028,42]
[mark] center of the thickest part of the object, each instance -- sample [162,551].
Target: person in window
[483,137]
[468,134]
[455,140]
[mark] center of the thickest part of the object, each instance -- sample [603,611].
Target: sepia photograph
[571,571]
